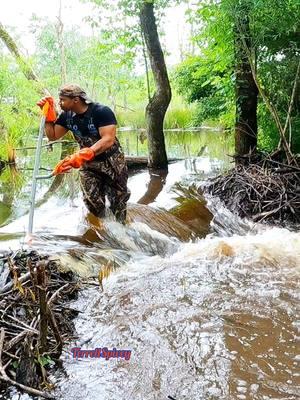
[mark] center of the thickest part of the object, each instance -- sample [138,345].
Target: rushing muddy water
[210,313]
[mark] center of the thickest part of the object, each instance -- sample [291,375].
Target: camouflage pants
[106,178]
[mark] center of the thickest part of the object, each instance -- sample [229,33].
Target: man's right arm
[54,131]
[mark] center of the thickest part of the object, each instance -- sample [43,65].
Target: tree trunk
[25,67]
[245,88]
[159,102]
[61,44]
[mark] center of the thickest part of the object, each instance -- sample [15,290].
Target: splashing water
[211,318]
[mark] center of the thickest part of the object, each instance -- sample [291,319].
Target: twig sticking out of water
[34,319]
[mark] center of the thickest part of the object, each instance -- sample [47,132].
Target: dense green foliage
[110,64]
[17,96]
[211,89]
[208,78]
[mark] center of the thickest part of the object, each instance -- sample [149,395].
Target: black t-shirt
[85,127]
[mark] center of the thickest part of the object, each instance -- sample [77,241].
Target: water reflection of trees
[10,184]
[182,144]
[154,187]
[15,183]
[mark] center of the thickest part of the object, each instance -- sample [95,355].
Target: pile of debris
[35,320]
[264,190]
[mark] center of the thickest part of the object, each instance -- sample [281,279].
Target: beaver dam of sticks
[267,190]
[35,320]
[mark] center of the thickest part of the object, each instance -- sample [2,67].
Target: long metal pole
[35,173]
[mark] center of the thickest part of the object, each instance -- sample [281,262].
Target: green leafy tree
[211,89]
[101,63]
[143,11]
[269,42]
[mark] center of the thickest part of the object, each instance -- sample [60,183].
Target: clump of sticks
[263,189]
[35,320]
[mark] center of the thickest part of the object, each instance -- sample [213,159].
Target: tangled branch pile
[34,319]
[266,191]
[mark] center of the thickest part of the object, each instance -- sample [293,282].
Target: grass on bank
[176,117]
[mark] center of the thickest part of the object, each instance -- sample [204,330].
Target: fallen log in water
[136,161]
[133,161]
[268,191]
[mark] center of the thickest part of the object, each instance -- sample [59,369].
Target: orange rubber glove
[76,160]
[62,167]
[48,108]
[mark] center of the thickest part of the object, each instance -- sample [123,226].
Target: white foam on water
[274,245]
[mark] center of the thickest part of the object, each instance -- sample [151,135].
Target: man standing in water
[103,169]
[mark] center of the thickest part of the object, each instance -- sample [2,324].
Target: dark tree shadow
[155,186]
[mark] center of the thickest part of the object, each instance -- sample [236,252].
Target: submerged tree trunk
[245,88]
[159,102]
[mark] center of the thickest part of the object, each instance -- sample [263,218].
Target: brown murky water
[208,304]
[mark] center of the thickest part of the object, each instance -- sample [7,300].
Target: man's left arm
[108,137]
